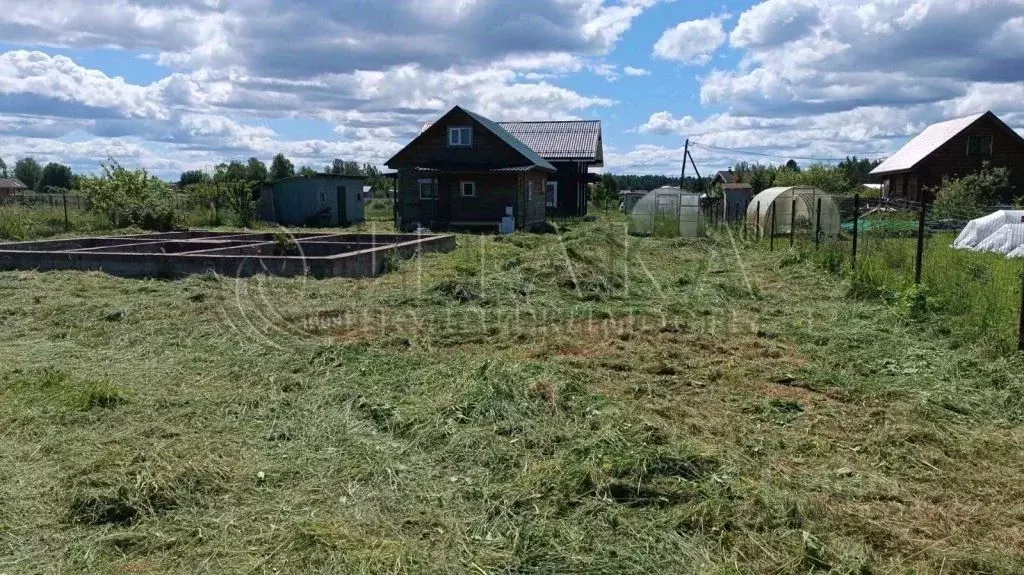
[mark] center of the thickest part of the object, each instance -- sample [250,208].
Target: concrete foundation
[178,254]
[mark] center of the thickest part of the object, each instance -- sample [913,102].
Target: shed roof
[931,139]
[578,140]
[8,183]
[319,177]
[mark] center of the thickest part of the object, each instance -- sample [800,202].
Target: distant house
[572,147]
[725,177]
[320,200]
[466,171]
[11,186]
[951,149]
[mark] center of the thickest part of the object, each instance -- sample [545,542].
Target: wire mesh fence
[903,253]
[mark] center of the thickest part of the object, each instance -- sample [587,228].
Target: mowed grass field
[582,403]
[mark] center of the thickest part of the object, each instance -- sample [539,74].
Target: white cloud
[692,42]
[775,21]
[631,71]
[812,56]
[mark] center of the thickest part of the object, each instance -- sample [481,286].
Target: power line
[749,153]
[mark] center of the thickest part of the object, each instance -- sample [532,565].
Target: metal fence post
[67,224]
[757,222]
[856,225]
[817,225]
[1020,324]
[792,224]
[771,233]
[919,262]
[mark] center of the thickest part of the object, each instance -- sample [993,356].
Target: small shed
[775,206]
[629,198]
[317,200]
[735,199]
[11,186]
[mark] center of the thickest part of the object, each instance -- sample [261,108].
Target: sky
[174,86]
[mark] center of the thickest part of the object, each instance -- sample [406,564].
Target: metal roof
[931,139]
[562,140]
[479,170]
[511,140]
[8,183]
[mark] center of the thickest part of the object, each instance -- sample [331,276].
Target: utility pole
[686,154]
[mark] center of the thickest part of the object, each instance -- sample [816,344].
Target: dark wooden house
[11,186]
[951,149]
[723,177]
[572,147]
[466,172]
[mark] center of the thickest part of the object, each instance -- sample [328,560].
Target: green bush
[969,196]
[131,198]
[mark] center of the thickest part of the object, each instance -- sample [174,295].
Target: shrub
[131,198]
[967,197]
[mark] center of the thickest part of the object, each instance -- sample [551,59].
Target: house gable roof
[567,140]
[532,157]
[930,140]
[727,176]
[15,183]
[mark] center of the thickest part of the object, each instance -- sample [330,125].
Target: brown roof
[15,183]
[575,140]
[727,176]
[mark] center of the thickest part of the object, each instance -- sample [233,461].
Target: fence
[902,252]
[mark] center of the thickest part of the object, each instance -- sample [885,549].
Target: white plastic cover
[1004,240]
[978,231]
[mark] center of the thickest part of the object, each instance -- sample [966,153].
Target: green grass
[976,296]
[587,402]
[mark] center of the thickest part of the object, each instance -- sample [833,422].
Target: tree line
[255,171]
[40,178]
[846,177]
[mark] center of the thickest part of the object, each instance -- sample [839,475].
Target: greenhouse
[667,212]
[776,205]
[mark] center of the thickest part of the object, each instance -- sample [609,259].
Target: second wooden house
[465,171]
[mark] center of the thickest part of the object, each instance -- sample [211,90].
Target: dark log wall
[431,148]
[952,161]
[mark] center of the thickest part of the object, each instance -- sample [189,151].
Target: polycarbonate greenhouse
[667,212]
[777,204]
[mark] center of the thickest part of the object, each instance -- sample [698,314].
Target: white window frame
[553,203]
[460,136]
[432,187]
[462,189]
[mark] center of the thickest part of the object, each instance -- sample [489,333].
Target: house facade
[466,172]
[951,149]
[572,147]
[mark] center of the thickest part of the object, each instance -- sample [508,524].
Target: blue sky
[189,84]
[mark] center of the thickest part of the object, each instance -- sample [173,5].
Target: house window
[551,194]
[979,145]
[529,190]
[428,189]
[323,197]
[460,136]
[468,189]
